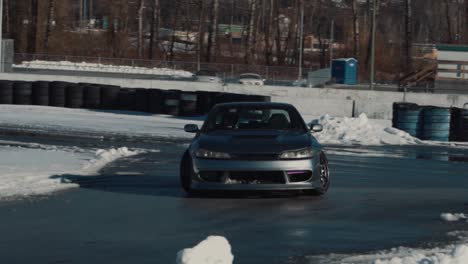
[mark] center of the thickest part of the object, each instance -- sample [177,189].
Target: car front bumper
[274,175]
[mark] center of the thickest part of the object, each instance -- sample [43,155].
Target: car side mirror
[191,128]
[316,128]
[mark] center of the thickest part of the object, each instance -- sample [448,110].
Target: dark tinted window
[254,118]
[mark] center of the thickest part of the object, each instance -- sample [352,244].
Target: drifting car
[253,147]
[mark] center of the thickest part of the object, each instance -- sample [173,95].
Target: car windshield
[254,118]
[250,76]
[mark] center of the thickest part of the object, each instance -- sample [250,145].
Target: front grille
[257,177]
[244,177]
[254,157]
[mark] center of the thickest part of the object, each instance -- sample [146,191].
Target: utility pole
[301,39]
[1,36]
[372,73]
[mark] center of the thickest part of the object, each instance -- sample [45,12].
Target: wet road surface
[135,211]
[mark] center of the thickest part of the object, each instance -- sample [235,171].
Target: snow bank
[96,67]
[360,131]
[104,157]
[37,171]
[449,217]
[212,250]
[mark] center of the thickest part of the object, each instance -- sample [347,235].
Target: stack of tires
[74,96]
[156,101]
[436,124]
[127,99]
[409,118]
[91,96]
[172,102]
[110,96]
[22,93]
[459,125]
[40,93]
[205,101]
[188,103]
[6,92]
[142,100]
[57,93]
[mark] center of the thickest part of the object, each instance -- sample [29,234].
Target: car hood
[255,141]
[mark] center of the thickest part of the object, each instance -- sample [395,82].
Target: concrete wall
[310,101]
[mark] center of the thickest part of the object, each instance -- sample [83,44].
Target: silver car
[254,146]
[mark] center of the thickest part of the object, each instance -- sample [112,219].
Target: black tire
[109,97]
[6,92]
[156,101]
[324,177]
[141,100]
[74,96]
[92,96]
[186,173]
[127,99]
[22,93]
[40,93]
[57,93]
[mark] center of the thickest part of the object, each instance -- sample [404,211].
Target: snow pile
[96,67]
[451,255]
[104,157]
[39,170]
[212,250]
[449,217]
[360,131]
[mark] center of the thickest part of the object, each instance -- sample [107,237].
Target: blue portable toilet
[345,71]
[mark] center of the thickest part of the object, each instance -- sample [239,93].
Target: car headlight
[307,153]
[208,154]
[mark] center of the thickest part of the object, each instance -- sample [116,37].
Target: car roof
[255,104]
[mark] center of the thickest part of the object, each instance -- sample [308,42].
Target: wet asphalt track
[135,212]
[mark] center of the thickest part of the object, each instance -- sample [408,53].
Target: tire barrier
[6,92]
[127,99]
[97,96]
[409,118]
[172,102]
[91,96]
[22,93]
[40,93]
[399,106]
[188,103]
[74,96]
[205,101]
[110,97]
[156,101]
[57,93]
[463,125]
[141,100]
[436,124]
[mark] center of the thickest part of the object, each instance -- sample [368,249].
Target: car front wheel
[186,172]
[324,180]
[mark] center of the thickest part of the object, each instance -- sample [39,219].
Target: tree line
[269,31]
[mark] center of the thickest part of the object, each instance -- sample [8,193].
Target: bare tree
[155,24]
[32,32]
[250,44]
[140,45]
[408,34]
[356,35]
[49,24]
[448,17]
[7,21]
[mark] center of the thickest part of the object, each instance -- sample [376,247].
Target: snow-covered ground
[33,169]
[337,130]
[96,67]
[217,250]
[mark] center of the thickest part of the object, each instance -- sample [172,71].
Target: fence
[227,71]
